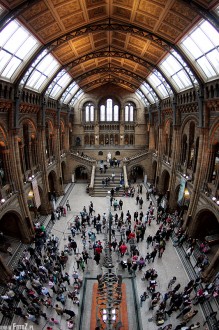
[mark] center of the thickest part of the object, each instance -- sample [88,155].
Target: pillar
[201,168]
[175,160]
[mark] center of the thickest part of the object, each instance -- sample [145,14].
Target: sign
[36,194]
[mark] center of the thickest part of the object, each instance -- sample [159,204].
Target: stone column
[60,189]
[159,158]
[46,207]
[175,161]
[26,228]
[202,163]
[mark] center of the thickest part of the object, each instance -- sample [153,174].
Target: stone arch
[10,225]
[136,173]
[205,223]
[117,153]
[81,173]
[164,182]
[53,182]
[100,153]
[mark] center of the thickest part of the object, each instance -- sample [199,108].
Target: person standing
[140,203]
[68,205]
[113,177]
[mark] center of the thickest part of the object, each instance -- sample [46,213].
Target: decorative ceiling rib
[75,32]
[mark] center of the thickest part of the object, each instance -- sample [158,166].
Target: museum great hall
[83,79]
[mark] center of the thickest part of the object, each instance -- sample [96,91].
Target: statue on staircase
[109,157]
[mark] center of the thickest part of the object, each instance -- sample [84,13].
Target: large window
[202,46]
[16,46]
[89,112]
[129,112]
[109,111]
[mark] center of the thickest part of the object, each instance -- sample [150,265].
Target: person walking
[153,254]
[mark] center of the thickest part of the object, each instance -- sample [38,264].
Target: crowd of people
[42,286]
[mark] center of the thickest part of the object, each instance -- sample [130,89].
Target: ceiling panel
[166,19]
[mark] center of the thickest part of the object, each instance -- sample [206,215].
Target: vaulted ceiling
[117,41]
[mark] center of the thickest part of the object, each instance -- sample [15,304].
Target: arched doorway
[165,179]
[206,224]
[136,174]
[52,178]
[207,228]
[10,225]
[81,174]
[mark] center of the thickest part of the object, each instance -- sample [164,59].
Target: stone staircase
[99,190]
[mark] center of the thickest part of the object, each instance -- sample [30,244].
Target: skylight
[58,84]
[201,45]
[76,97]
[174,70]
[69,93]
[142,97]
[16,46]
[43,73]
[158,82]
[149,93]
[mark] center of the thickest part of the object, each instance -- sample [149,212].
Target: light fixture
[96,137]
[186,193]
[2,200]
[30,194]
[32,176]
[121,136]
[214,198]
[217,202]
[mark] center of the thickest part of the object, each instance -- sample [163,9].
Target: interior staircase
[99,190]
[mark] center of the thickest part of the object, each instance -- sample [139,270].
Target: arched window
[89,112]
[109,111]
[129,112]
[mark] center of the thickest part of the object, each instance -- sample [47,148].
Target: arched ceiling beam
[203,12]
[113,69]
[110,26]
[115,80]
[113,53]
[13,13]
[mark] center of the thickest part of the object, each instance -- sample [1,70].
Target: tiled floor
[167,267]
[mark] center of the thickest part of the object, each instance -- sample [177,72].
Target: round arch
[10,225]
[53,183]
[136,173]
[206,224]
[81,173]
[164,182]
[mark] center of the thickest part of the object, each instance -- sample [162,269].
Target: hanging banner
[36,193]
[181,191]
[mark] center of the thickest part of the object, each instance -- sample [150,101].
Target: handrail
[135,157]
[125,177]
